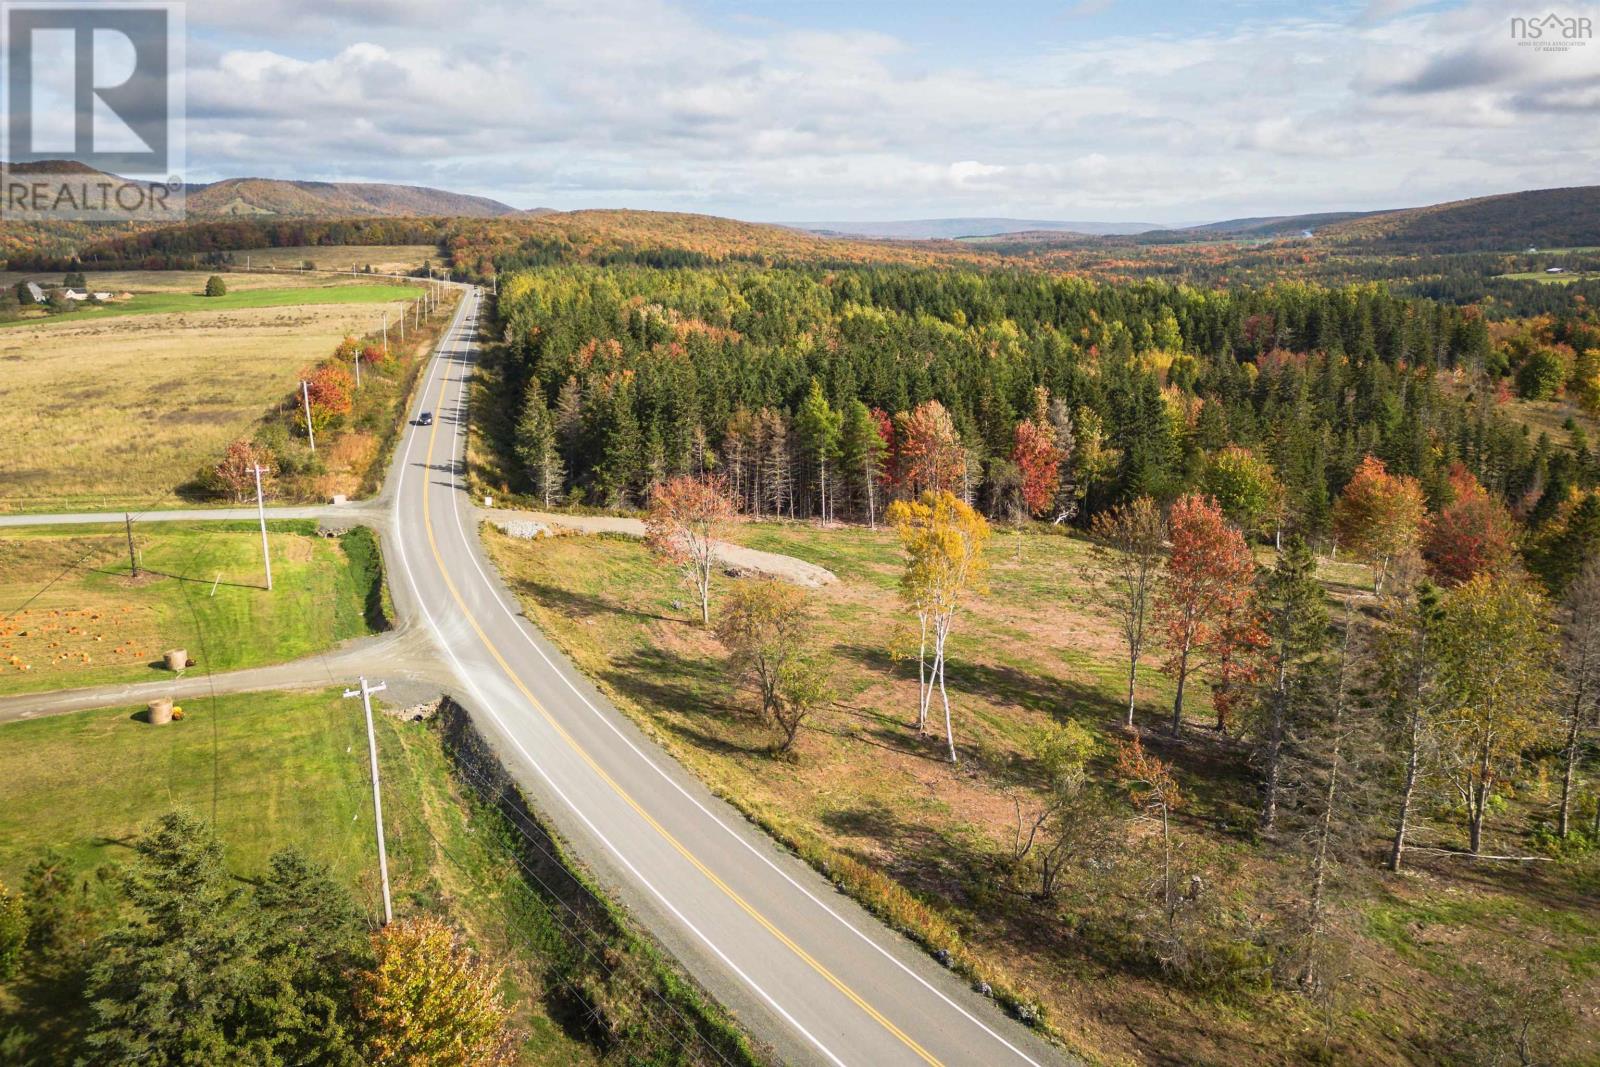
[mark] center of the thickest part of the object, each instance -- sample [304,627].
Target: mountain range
[1567,217]
[954,229]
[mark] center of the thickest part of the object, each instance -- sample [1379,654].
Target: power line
[480,779]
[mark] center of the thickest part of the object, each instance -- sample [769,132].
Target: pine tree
[818,427]
[861,457]
[1296,679]
[538,448]
[171,983]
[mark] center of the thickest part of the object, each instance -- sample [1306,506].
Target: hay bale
[160,712]
[177,659]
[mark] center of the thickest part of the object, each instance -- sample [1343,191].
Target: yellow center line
[833,980]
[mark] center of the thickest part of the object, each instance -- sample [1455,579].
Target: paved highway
[802,967]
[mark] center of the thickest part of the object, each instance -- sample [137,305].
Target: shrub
[13,933]
[215,286]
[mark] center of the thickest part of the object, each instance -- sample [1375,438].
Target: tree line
[830,393]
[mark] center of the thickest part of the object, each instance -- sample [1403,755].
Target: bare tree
[1129,546]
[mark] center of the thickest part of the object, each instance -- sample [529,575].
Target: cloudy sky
[824,109]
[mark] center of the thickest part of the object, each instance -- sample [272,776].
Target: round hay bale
[160,712]
[177,659]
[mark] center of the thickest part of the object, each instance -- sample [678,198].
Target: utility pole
[305,392]
[358,370]
[261,513]
[386,331]
[365,693]
[133,560]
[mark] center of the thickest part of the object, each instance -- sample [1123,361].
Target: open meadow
[71,615]
[929,846]
[383,259]
[119,411]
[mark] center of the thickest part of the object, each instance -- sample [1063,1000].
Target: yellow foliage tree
[943,539]
[429,1002]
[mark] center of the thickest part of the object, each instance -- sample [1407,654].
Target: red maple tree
[930,456]
[1037,457]
[1473,534]
[1206,595]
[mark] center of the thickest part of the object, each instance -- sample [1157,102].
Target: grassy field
[120,411]
[170,303]
[70,615]
[927,845]
[1541,276]
[384,259]
[182,281]
[272,771]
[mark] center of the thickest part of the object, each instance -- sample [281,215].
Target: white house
[36,293]
[73,294]
[1555,270]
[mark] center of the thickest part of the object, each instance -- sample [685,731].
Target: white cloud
[639,102]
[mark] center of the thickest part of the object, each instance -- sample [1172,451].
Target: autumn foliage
[1474,534]
[1205,608]
[1037,457]
[429,1002]
[236,471]
[1379,516]
[687,514]
[928,450]
[330,389]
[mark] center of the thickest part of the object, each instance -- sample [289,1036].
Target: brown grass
[120,412]
[923,844]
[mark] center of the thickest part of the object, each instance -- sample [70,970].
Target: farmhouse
[36,293]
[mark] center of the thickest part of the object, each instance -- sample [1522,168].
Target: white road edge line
[488,707]
[522,625]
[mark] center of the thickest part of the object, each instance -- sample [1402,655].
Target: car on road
[425,419]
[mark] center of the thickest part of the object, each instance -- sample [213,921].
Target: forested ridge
[623,376]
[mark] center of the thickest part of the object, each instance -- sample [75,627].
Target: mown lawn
[272,771]
[235,300]
[71,614]
[926,844]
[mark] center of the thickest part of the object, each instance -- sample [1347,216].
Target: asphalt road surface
[801,966]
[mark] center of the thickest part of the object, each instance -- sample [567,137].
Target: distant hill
[1275,225]
[260,197]
[1541,218]
[271,196]
[949,229]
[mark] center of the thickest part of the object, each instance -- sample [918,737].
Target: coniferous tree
[861,458]
[1295,683]
[538,448]
[818,427]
